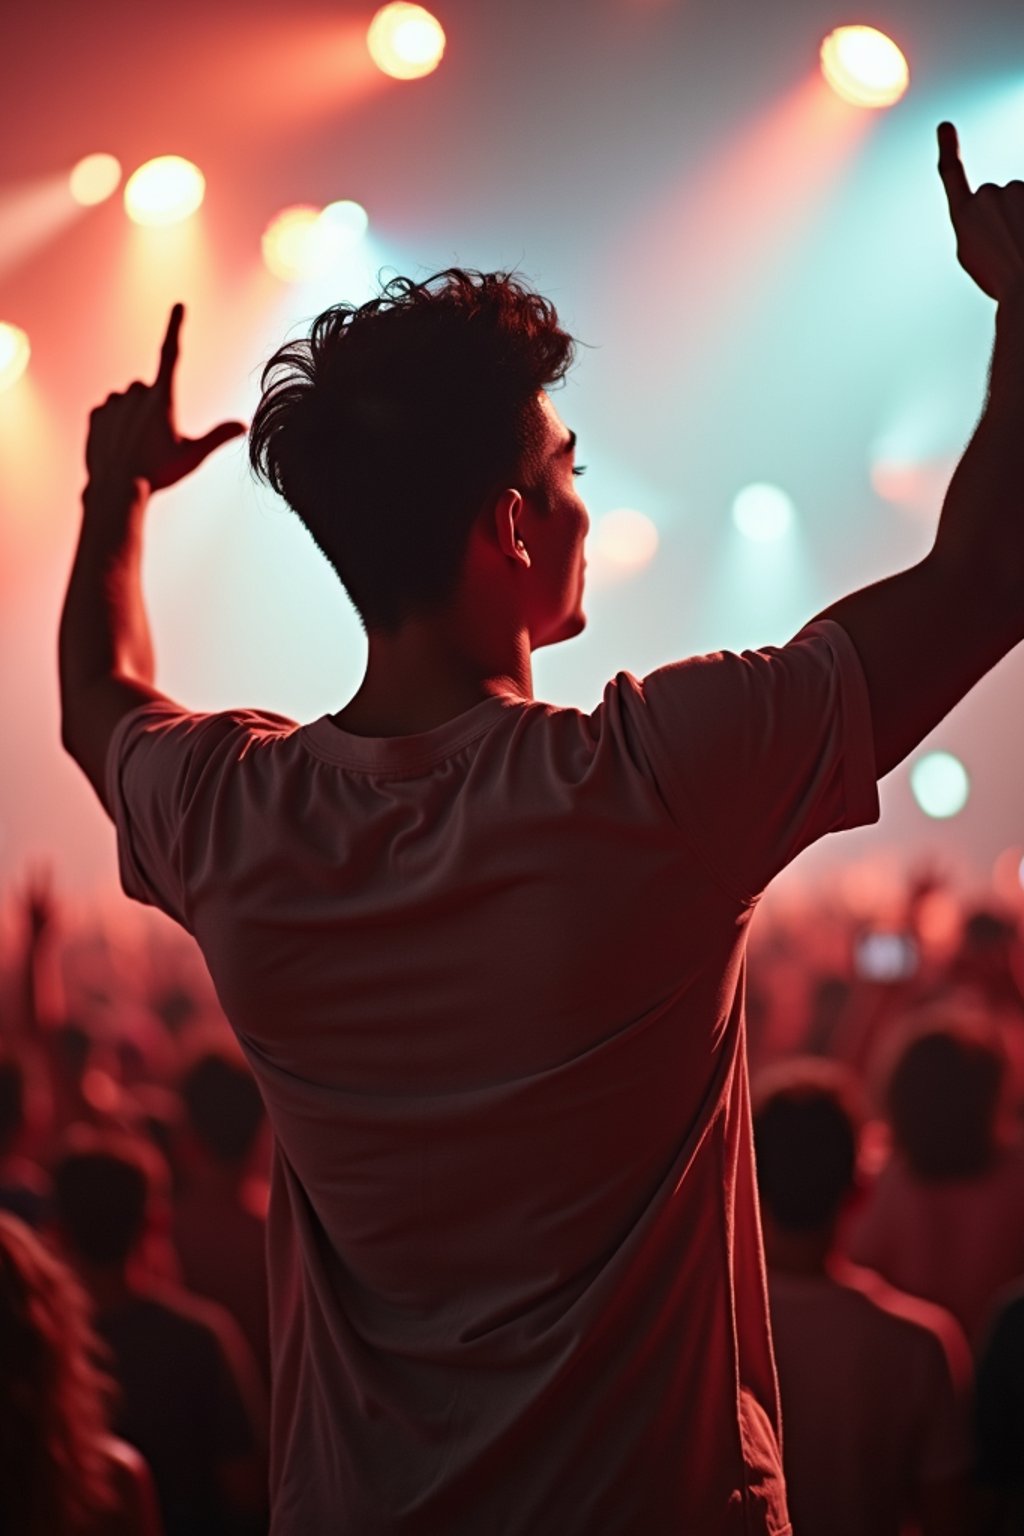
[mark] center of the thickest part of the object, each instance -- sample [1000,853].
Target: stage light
[14,354]
[940,784]
[1008,874]
[291,245]
[94,179]
[625,540]
[303,242]
[763,513]
[405,41]
[164,191]
[341,226]
[864,67]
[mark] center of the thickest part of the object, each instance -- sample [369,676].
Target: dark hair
[102,1185]
[223,1105]
[943,1099]
[55,1466]
[12,1096]
[386,429]
[806,1129]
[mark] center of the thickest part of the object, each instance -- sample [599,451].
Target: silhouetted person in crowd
[62,1472]
[874,1383]
[988,961]
[220,1205]
[943,1219]
[999,1417]
[190,1397]
[24,1187]
[486,956]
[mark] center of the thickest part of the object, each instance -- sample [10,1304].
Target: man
[189,1395]
[219,1205]
[485,957]
[874,1383]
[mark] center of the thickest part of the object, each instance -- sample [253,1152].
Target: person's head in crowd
[56,1474]
[414,438]
[24,1117]
[807,1124]
[988,960]
[13,1092]
[110,1192]
[224,1111]
[944,1098]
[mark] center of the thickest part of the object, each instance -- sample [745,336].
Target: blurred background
[782,362]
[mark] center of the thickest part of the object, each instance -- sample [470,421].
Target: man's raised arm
[105,652]
[926,635]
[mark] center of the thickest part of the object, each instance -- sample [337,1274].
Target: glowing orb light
[14,354]
[405,41]
[940,784]
[341,227]
[1008,874]
[864,67]
[94,179]
[763,513]
[292,245]
[625,539]
[164,191]
[302,241]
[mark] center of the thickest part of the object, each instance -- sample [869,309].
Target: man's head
[806,1131]
[223,1107]
[944,1095]
[105,1188]
[404,424]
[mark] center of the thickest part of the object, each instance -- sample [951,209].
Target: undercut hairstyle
[388,427]
[807,1122]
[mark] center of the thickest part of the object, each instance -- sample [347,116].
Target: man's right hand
[989,223]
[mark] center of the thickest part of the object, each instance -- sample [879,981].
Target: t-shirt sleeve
[163,767]
[760,753]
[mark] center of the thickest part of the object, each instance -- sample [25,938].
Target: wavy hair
[55,1468]
[386,428]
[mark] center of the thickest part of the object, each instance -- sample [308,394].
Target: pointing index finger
[951,170]
[169,351]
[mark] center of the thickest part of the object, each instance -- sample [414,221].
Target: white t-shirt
[490,981]
[875,1396]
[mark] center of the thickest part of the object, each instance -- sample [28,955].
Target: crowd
[887,1046]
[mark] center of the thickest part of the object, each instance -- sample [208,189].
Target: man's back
[491,986]
[188,1397]
[874,1389]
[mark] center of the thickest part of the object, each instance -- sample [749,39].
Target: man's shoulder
[174,1315]
[900,1317]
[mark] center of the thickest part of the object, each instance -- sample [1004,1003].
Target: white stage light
[763,513]
[164,191]
[864,67]
[14,353]
[940,784]
[94,179]
[405,41]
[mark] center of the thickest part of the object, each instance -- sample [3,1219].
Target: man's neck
[424,675]
[798,1253]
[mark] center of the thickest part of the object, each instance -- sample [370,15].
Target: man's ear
[508,511]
